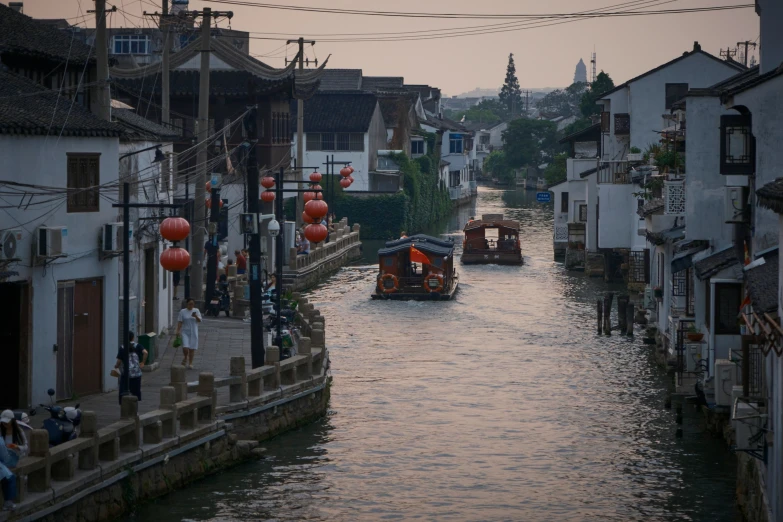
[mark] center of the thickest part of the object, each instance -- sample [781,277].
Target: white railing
[674,197]
[561,233]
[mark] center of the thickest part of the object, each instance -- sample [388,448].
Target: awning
[762,284]
[673,234]
[684,259]
[711,265]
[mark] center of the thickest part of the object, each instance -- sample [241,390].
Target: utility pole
[254,263]
[279,258]
[527,100]
[212,262]
[728,53]
[593,63]
[299,131]
[102,57]
[165,116]
[747,43]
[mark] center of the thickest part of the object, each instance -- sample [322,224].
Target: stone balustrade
[343,238]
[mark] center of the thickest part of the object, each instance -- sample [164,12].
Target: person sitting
[8,459]
[304,247]
[13,434]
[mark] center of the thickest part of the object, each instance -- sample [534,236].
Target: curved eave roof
[427,248]
[420,239]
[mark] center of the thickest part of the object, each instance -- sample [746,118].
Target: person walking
[8,459]
[187,327]
[137,358]
[13,434]
[241,262]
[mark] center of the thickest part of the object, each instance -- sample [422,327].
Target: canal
[500,405]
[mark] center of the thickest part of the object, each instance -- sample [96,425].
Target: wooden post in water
[630,317]
[608,298]
[600,316]
[622,308]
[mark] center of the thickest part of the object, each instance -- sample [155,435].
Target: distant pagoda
[580,75]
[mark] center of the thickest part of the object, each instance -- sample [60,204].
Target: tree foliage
[486,111]
[563,102]
[603,83]
[510,93]
[530,142]
[555,172]
[496,165]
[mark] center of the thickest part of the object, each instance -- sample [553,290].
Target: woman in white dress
[187,327]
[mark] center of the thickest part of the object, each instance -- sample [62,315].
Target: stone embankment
[198,429]
[306,271]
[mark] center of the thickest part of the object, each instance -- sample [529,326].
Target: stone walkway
[219,340]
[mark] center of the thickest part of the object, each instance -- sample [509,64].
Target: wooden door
[87,336]
[65,320]
[150,296]
[10,340]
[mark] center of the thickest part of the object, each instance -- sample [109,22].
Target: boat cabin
[492,239]
[416,267]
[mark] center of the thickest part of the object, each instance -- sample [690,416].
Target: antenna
[592,62]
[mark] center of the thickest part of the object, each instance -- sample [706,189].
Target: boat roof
[420,239]
[481,223]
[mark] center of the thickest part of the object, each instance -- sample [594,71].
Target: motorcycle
[221,299]
[62,423]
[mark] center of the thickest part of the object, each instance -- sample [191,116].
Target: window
[330,141]
[605,122]
[455,144]
[357,142]
[83,181]
[737,145]
[131,44]
[564,202]
[622,124]
[728,298]
[281,128]
[343,141]
[417,147]
[583,213]
[675,92]
[708,308]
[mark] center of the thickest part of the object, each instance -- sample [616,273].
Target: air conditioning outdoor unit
[9,248]
[649,301]
[113,235]
[748,423]
[725,379]
[52,242]
[692,356]
[734,205]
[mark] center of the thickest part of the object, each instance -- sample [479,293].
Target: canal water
[503,404]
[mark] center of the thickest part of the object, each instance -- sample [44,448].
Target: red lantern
[308,219]
[315,177]
[350,167]
[268,195]
[319,194]
[316,209]
[175,228]
[267,182]
[209,186]
[175,259]
[345,183]
[308,196]
[316,233]
[346,171]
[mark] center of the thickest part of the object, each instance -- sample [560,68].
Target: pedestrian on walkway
[187,327]
[8,459]
[13,434]
[137,358]
[241,262]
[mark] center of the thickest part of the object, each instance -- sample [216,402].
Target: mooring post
[622,308]
[630,317]
[600,316]
[608,298]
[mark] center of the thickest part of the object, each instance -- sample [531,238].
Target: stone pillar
[317,338]
[88,457]
[272,354]
[168,401]
[272,382]
[356,228]
[238,392]
[292,258]
[304,345]
[129,410]
[40,479]
[179,382]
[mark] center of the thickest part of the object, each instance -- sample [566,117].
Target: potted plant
[658,292]
[693,333]
[635,154]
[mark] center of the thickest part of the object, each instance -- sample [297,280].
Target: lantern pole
[212,262]
[279,260]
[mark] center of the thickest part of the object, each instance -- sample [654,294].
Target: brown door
[87,336]
[65,321]
[149,291]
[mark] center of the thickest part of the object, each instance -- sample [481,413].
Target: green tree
[496,165]
[510,93]
[578,125]
[530,142]
[563,102]
[555,172]
[603,83]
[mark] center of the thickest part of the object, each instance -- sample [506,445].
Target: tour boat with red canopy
[492,240]
[419,267]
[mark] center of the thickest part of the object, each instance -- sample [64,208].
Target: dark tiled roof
[591,133]
[337,112]
[444,124]
[22,35]
[30,109]
[341,80]
[751,82]
[651,207]
[709,266]
[380,83]
[424,91]
[186,83]
[737,79]
[138,127]
[762,284]
[771,195]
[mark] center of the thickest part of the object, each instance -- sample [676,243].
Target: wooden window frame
[564,201]
[79,189]
[673,93]
[734,329]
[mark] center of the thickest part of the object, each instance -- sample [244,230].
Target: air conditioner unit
[9,248]
[692,354]
[725,379]
[748,423]
[734,205]
[52,242]
[113,236]
[649,301]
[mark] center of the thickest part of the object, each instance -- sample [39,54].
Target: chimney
[17,6]
[696,46]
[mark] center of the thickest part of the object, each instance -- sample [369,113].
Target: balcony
[674,198]
[561,233]
[614,172]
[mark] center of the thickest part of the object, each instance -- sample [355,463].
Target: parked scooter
[62,423]
[221,299]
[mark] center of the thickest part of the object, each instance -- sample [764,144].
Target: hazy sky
[545,56]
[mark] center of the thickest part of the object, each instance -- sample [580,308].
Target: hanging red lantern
[316,233]
[175,259]
[308,196]
[346,171]
[268,195]
[315,177]
[350,178]
[351,167]
[175,228]
[267,182]
[345,183]
[209,186]
[307,219]
[319,194]
[316,209]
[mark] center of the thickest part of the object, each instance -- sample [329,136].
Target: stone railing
[343,237]
[189,414]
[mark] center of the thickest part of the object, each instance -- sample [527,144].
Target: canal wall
[199,428]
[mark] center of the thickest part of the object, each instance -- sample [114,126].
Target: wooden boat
[419,267]
[492,240]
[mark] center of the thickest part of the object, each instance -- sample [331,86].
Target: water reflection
[500,405]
